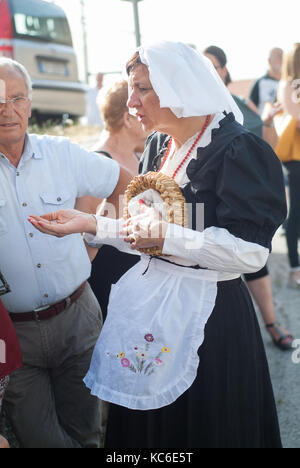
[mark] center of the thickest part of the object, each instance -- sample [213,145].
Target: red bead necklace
[189,151]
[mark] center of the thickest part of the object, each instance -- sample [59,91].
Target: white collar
[171,164]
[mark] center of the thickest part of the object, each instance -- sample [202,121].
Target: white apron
[146,355]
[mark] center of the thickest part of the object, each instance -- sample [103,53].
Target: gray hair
[13,64]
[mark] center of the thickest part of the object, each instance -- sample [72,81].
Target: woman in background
[288,151]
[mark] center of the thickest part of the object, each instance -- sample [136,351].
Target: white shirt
[53,172]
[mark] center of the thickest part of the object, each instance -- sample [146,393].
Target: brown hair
[114,106]
[220,55]
[133,62]
[291,64]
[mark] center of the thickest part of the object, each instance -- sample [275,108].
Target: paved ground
[285,373]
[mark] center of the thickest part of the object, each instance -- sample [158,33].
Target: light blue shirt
[53,172]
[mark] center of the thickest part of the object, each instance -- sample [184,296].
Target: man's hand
[64,222]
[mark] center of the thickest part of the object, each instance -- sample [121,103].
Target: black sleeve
[250,189]
[254,93]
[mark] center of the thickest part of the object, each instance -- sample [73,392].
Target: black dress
[107,268]
[231,402]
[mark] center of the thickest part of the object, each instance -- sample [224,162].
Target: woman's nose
[133,100]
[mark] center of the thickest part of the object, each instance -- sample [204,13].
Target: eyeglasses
[18,102]
[4,288]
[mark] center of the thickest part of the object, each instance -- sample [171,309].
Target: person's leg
[30,405]
[293,223]
[261,291]
[3,385]
[78,411]
[260,287]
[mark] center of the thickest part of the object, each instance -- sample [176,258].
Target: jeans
[293,222]
[47,402]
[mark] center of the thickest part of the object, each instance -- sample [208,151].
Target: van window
[47,23]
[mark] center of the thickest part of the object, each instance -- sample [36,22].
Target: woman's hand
[270,111]
[64,222]
[145,230]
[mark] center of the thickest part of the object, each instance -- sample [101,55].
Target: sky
[246,30]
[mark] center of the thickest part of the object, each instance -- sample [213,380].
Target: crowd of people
[179,358]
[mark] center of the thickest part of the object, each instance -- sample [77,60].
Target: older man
[56,316]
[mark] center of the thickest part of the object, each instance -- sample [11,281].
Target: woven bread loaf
[168,189]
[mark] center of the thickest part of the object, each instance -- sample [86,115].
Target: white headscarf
[186,81]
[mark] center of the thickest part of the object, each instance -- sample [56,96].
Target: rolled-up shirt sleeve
[215,249]
[95,175]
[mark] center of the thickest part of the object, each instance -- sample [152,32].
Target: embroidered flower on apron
[142,360]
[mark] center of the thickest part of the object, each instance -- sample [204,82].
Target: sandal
[294,281]
[283,336]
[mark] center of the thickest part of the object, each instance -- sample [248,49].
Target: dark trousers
[293,222]
[3,386]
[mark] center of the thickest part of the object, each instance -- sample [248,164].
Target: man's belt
[47,312]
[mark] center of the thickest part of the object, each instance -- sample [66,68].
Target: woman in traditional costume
[181,356]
